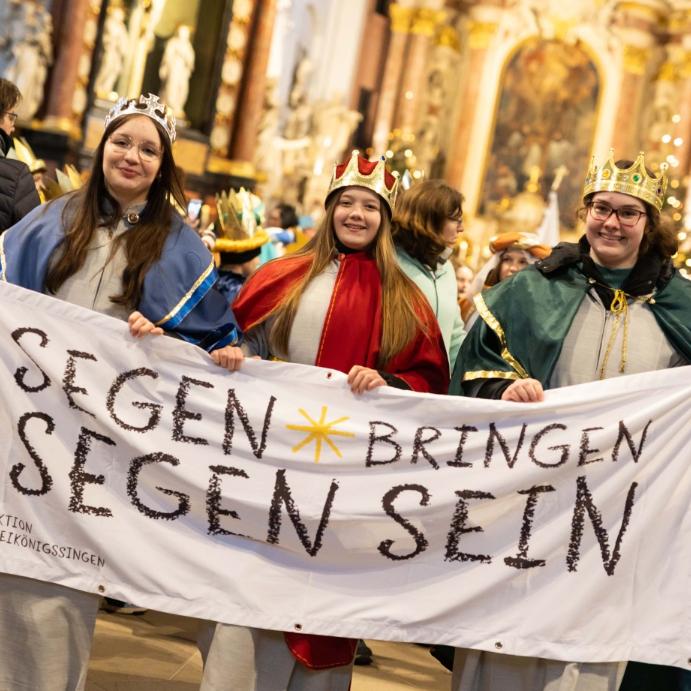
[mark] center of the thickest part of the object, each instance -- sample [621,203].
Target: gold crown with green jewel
[633,180]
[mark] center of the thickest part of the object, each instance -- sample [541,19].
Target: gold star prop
[319,431]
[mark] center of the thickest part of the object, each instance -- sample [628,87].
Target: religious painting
[546,118]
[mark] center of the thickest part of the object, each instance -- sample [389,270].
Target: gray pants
[242,659]
[476,670]
[45,635]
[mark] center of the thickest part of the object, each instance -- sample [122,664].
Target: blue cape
[178,292]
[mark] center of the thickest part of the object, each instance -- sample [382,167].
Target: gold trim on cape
[490,374]
[188,294]
[494,324]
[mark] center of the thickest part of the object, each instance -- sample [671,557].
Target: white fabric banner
[275,498]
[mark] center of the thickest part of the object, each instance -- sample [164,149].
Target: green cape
[523,322]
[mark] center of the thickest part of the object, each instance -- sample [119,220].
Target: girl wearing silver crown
[117,246]
[612,304]
[341,302]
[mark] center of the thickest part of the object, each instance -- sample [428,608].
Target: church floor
[157,652]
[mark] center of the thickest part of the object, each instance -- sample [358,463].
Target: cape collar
[651,271]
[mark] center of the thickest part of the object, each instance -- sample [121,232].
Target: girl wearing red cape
[341,302]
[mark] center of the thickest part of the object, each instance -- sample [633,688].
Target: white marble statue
[267,154]
[299,121]
[8,13]
[333,125]
[115,48]
[176,69]
[32,53]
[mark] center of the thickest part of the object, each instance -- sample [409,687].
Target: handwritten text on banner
[275,498]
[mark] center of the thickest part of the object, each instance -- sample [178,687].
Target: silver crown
[149,105]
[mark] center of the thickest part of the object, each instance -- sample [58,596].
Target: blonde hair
[401,299]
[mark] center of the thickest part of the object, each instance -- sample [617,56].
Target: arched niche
[147,26]
[546,115]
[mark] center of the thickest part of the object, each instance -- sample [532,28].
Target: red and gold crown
[633,180]
[360,172]
[149,105]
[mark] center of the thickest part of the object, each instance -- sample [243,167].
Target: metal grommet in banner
[297,627]
[101,589]
[498,645]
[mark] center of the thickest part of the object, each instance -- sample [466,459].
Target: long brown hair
[94,206]
[419,218]
[401,299]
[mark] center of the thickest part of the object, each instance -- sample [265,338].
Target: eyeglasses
[458,220]
[627,215]
[147,152]
[12,116]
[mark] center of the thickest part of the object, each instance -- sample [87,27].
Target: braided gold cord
[619,307]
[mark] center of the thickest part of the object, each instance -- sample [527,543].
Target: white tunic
[586,343]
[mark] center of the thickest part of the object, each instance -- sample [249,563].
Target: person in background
[341,302]
[511,252]
[283,227]
[18,193]
[611,304]
[283,216]
[116,246]
[464,279]
[426,224]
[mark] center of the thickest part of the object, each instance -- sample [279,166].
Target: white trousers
[45,635]
[243,659]
[476,670]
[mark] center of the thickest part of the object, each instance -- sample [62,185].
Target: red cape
[351,336]
[352,329]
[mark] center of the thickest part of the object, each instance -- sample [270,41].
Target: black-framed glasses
[627,215]
[12,116]
[147,152]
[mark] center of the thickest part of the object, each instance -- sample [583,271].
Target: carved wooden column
[684,154]
[254,83]
[75,38]
[227,98]
[480,35]
[423,28]
[625,138]
[679,52]
[401,21]
[637,27]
